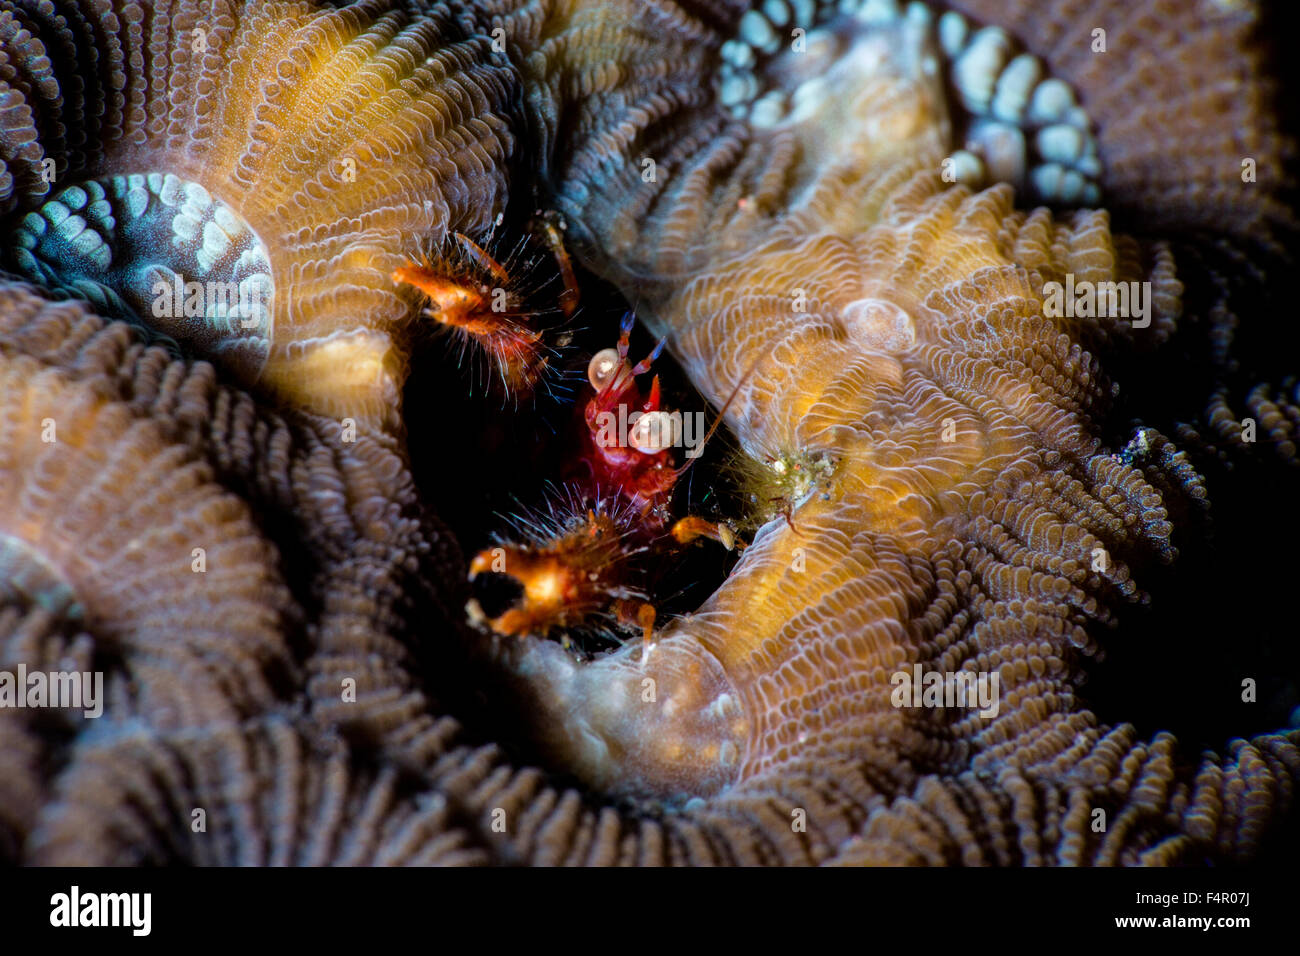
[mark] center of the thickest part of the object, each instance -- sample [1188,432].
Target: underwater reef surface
[991,299]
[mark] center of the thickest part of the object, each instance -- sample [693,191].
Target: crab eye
[653,432]
[602,367]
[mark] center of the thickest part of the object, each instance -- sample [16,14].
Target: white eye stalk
[653,432]
[603,367]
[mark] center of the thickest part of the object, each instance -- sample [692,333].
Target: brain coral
[847,219]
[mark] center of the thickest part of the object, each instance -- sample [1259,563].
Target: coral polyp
[158,249]
[205,166]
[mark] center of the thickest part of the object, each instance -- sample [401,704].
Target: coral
[271,153]
[259,794]
[1220,116]
[343,511]
[110,529]
[955,473]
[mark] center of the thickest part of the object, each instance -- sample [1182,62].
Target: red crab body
[577,565]
[627,438]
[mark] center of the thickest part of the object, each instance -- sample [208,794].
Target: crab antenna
[625,333]
[555,242]
[722,413]
[644,365]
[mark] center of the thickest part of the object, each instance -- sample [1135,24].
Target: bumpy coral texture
[354,542]
[102,519]
[969,513]
[358,130]
[1172,188]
